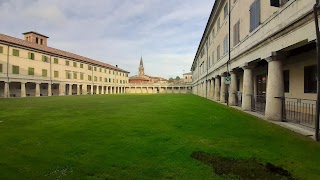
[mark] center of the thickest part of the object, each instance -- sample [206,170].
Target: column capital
[276,56]
[247,66]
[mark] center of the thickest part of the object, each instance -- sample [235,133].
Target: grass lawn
[139,137]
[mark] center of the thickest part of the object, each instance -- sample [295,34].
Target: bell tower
[141,68]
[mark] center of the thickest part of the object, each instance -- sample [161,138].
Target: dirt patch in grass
[239,168]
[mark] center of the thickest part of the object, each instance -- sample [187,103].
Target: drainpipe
[207,67]
[8,95]
[228,63]
[315,11]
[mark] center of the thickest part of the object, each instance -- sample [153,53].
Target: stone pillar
[23,89]
[37,89]
[247,88]
[223,89]
[233,89]
[217,89]
[166,89]
[62,88]
[275,88]
[49,89]
[84,89]
[135,89]
[6,90]
[70,90]
[78,89]
[91,89]
[107,90]
[179,90]
[98,90]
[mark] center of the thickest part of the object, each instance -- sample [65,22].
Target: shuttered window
[81,76]
[56,60]
[225,10]
[15,69]
[212,57]
[100,78]
[67,63]
[254,15]
[1,49]
[218,53]
[31,71]
[89,67]
[226,45]
[1,68]
[74,64]
[81,65]
[236,33]
[218,23]
[44,73]
[15,52]
[95,78]
[56,74]
[75,75]
[31,55]
[89,78]
[45,58]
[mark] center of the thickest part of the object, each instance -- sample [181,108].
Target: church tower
[141,68]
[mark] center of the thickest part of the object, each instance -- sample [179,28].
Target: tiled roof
[23,43]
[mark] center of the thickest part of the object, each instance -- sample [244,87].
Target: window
[209,62]
[15,52]
[286,80]
[81,76]
[225,10]
[1,49]
[100,70]
[109,80]
[44,73]
[75,75]
[218,53]
[67,63]
[105,70]
[95,78]
[30,71]
[1,68]
[41,41]
[89,67]
[310,79]
[226,45]
[56,74]
[68,75]
[89,78]
[212,57]
[213,33]
[81,65]
[31,55]
[15,69]
[95,68]
[45,58]
[105,79]
[254,15]
[37,40]
[56,60]
[74,64]
[100,78]
[236,33]
[218,23]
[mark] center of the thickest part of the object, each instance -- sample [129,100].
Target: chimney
[116,65]
[36,38]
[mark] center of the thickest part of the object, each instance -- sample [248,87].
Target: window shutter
[254,15]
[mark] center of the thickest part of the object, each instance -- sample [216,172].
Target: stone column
[223,89]
[84,89]
[6,90]
[107,90]
[166,89]
[135,89]
[179,90]
[217,89]
[233,89]
[91,89]
[98,90]
[247,88]
[37,89]
[23,89]
[62,88]
[275,88]
[78,89]
[70,90]
[49,89]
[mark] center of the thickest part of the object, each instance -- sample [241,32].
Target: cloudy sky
[166,32]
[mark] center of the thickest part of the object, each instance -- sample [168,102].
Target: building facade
[272,68]
[187,77]
[30,68]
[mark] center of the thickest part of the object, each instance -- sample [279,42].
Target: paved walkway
[303,130]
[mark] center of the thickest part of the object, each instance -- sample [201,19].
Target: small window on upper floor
[30,71]
[218,52]
[44,73]
[67,63]
[37,40]
[95,68]
[74,64]
[41,41]
[31,55]
[15,69]
[15,52]
[45,58]
[236,33]
[254,15]
[56,61]
[1,49]
[81,65]
[1,67]
[89,67]
[218,23]
[225,10]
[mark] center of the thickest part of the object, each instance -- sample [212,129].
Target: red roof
[23,43]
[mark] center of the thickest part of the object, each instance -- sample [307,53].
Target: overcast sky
[166,32]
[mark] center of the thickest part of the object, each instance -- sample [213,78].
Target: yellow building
[29,67]
[273,58]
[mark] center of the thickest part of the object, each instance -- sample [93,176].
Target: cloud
[166,33]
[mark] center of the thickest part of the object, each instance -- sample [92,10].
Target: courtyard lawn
[139,137]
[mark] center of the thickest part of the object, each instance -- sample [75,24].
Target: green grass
[139,137]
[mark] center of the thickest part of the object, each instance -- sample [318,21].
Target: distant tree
[178,78]
[171,79]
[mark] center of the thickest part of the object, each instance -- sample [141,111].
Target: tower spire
[141,68]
